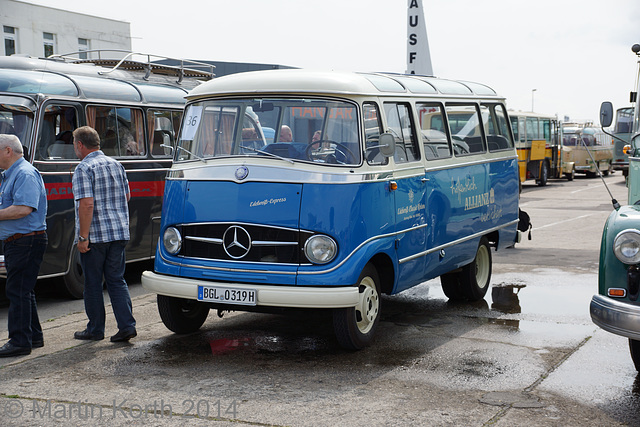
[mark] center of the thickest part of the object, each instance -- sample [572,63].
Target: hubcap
[368,305]
[482,266]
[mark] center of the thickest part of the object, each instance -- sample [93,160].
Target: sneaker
[86,335]
[124,335]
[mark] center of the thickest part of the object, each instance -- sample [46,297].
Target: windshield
[16,120]
[312,130]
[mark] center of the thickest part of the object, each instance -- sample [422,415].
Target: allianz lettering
[478,200]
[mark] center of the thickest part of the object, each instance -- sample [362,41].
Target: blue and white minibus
[324,190]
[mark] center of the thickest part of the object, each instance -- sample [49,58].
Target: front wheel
[182,316]
[471,282]
[571,175]
[355,326]
[634,347]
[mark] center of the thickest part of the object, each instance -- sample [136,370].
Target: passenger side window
[400,123]
[433,131]
[121,130]
[372,131]
[496,127]
[163,128]
[465,128]
[55,140]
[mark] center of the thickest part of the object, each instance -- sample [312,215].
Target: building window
[49,43]
[83,47]
[9,40]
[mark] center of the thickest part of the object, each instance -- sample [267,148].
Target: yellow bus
[538,140]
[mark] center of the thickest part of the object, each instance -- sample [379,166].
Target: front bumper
[618,317]
[267,295]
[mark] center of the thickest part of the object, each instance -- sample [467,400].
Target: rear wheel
[73,281]
[544,175]
[471,282]
[634,347]
[182,316]
[355,326]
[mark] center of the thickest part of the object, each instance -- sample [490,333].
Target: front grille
[244,242]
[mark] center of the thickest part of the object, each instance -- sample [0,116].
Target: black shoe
[124,335]
[10,350]
[86,335]
[37,344]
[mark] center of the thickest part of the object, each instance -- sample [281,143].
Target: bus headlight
[320,249]
[172,240]
[626,246]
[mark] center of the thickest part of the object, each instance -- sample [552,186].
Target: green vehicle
[616,307]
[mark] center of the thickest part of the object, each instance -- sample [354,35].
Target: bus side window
[121,130]
[56,133]
[372,131]
[433,131]
[161,131]
[465,128]
[496,127]
[400,123]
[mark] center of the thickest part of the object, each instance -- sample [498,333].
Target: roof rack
[133,61]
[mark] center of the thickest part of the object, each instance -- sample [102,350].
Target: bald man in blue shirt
[23,212]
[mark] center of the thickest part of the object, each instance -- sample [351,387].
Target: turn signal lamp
[626,149]
[616,292]
[393,186]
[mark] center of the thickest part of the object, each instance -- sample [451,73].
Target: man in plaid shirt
[101,193]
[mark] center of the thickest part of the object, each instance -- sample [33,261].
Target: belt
[18,235]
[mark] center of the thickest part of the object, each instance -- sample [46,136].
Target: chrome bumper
[618,317]
[267,295]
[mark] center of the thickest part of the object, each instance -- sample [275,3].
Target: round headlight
[172,240]
[626,246]
[320,249]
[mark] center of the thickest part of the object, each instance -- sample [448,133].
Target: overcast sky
[575,53]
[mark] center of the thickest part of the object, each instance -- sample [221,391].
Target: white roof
[298,81]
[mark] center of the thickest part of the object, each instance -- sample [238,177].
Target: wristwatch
[82,239]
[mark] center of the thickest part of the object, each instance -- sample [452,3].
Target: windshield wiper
[269,154]
[202,159]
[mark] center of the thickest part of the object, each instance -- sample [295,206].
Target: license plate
[239,296]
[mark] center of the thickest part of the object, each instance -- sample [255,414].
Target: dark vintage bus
[135,105]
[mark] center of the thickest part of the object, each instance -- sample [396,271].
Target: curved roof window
[480,89]
[162,94]
[416,85]
[24,81]
[449,87]
[107,89]
[384,84]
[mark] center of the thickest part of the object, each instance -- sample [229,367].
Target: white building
[41,31]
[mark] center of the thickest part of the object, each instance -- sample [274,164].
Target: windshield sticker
[191,122]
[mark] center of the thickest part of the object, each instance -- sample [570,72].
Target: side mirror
[606,114]
[387,144]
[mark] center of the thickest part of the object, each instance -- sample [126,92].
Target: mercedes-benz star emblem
[242,172]
[236,242]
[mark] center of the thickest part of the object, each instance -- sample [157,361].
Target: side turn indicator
[617,292]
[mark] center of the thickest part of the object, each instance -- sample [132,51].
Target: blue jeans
[106,260]
[22,259]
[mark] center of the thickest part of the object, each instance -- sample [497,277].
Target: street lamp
[532,91]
